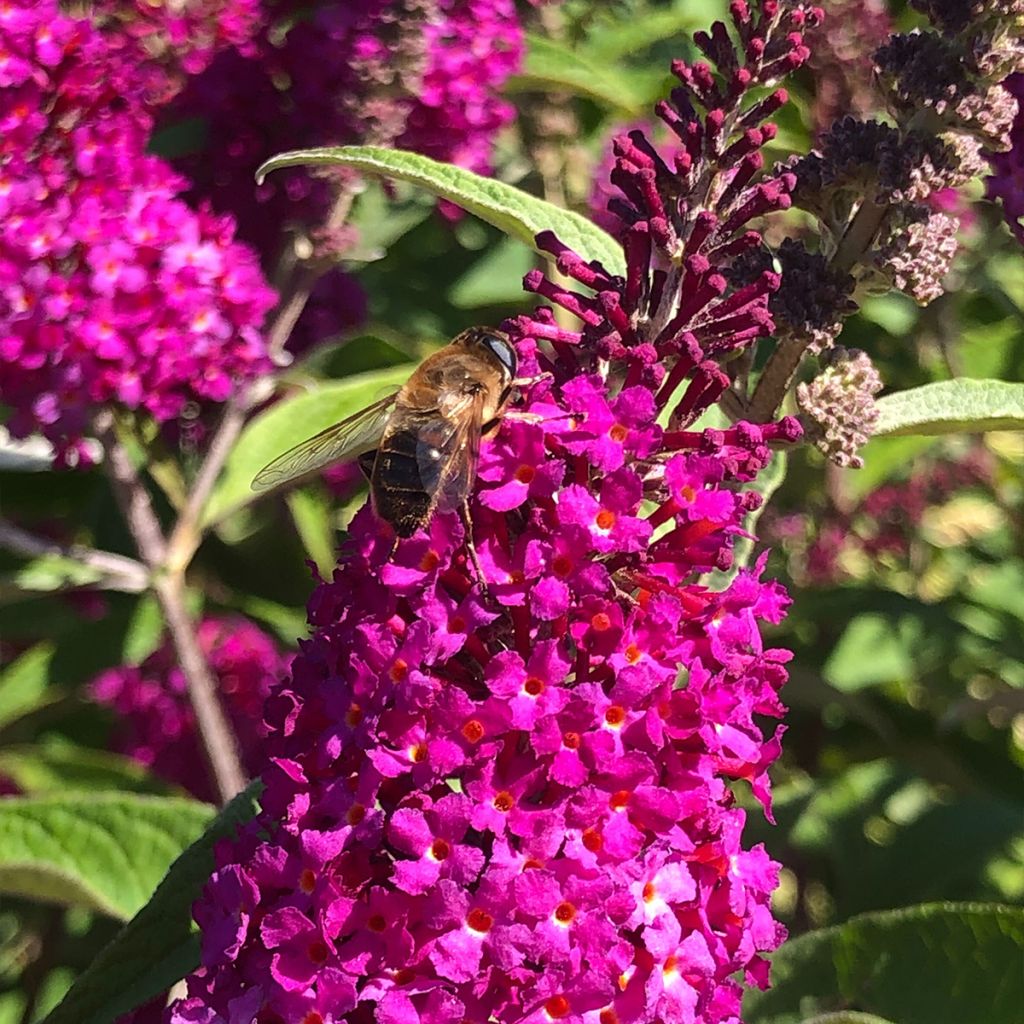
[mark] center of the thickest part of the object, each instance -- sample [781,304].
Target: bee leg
[534,417]
[524,417]
[467,525]
[525,382]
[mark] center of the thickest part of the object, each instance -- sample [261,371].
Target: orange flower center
[565,912]
[557,1006]
[479,920]
[618,800]
[615,715]
[504,801]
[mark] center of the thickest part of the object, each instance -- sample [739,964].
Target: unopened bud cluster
[870,185]
[838,406]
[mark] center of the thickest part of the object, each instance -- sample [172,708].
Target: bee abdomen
[400,493]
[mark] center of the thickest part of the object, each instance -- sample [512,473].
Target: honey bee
[419,446]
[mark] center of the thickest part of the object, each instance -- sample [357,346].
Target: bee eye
[502,350]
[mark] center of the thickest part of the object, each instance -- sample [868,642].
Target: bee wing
[448,476]
[353,436]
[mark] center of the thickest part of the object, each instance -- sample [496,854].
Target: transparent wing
[353,436]
[460,456]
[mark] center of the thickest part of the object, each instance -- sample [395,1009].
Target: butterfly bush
[114,290]
[520,804]
[155,724]
[423,75]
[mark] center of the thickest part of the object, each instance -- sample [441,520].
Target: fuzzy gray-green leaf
[509,209]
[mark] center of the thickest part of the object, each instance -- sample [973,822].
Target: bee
[420,446]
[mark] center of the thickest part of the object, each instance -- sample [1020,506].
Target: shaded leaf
[645,27]
[380,221]
[286,424]
[288,623]
[106,851]
[60,767]
[874,648]
[940,963]
[312,517]
[158,946]
[496,278]
[516,213]
[550,66]
[953,406]
[144,632]
[24,684]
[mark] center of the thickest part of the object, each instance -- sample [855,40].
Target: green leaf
[953,406]
[60,767]
[158,946]
[380,221]
[847,1017]
[53,572]
[288,623]
[144,632]
[551,66]
[884,457]
[23,684]
[495,279]
[873,649]
[106,851]
[312,517]
[623,36]
[286,424]
[516,213]
[939,963]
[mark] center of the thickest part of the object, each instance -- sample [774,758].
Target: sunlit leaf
[551,66]
[940,963]
[953,406]
[63,767]
[159,945]
[516,213]
[24,683]
[106,851]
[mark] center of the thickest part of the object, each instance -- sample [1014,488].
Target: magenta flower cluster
[423,75]
[1007,180]
[114,290]
[155,724]
[473,48]
[520,805]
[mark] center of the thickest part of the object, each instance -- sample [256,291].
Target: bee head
[497,344]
